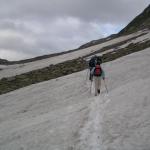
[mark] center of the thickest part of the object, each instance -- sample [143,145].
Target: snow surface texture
[140,39]
[13,70]
[61,114]
[43,116]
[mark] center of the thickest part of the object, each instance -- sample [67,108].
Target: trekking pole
[87,75]
[105,85]
[91,87]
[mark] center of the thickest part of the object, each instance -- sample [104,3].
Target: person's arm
[92,71]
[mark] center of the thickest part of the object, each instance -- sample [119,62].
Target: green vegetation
[115,46]
[51,72]
[142,21]
[65,68]
[131,48]
[54,71]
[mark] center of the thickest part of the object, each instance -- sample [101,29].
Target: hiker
[92,64]
[97,72]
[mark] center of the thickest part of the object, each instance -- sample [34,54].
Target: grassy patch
[131,48]
[114,46]
[64,68]
[36,76]
[142,21]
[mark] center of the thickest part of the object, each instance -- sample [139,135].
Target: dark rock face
[140,22]
[99,41]
[71,66]
[3,61]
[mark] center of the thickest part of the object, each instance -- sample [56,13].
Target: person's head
[99,60]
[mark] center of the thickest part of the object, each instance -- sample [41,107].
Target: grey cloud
[15,26]
[104,11]
[16,44]
[37,27]
[61,34]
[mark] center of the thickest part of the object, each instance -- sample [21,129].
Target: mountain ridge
[142,21]
[47,67]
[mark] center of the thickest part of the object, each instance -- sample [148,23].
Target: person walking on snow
[98,76]
[97,73]
[92,64]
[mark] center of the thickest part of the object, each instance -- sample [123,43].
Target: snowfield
[12,70]
[62,114]
[140,39]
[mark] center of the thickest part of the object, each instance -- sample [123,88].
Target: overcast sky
[30,28]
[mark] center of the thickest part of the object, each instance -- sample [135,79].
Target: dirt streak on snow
[90,134]
[61,114]
[137,40]
[13,70]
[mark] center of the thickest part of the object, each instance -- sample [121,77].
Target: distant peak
[142,21]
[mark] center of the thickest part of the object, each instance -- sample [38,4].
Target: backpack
[97,70]
[95,60]
[92,62]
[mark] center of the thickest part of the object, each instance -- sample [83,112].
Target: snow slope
[61,114]
[140,39]
[43,116]
[13,70]
[121,119]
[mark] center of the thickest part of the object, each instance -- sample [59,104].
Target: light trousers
[97,82]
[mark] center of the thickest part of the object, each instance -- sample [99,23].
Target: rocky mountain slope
[16,76]
[142,21]
[62,114]
[48,104]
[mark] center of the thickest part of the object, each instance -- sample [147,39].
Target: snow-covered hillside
[61,114]
[12,70]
